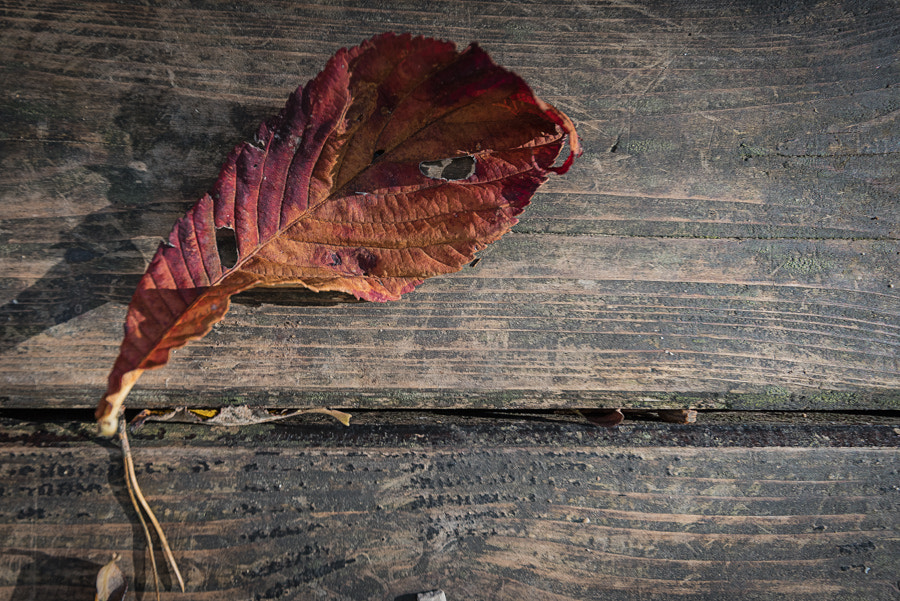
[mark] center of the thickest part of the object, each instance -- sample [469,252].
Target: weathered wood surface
[729,239]
[485,508]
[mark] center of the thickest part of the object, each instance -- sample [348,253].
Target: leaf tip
[110,406]
[106,426]
[342,417]
[563,121]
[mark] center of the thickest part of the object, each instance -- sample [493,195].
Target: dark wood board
[729,239]
[519,507]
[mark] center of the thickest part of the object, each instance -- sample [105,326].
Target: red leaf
[398,162]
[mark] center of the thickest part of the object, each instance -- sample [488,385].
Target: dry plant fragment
[111,585]
[239,415]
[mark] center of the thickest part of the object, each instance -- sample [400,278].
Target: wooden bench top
[728,241]
[484,507]
[729,238]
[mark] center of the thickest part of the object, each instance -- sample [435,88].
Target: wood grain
[729,239]
[489,509]
[775,337]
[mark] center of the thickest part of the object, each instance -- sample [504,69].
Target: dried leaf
[398,162]
[607,418]
[678,416]
[111,585]
[240,415]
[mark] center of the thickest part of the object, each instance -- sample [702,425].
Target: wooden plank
[500,509]
[729,238]
[548,335]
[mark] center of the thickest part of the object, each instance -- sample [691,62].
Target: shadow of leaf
[91,272]
[53,577]
[163,135]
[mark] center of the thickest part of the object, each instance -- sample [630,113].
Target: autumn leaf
[398,162]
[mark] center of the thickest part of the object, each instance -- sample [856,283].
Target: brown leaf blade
[398,162]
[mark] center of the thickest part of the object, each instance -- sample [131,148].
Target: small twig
[134,490]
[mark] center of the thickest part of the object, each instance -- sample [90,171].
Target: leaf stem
[134,491]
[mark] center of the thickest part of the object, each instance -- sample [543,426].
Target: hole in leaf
[226,244]
[366,261]
[449,169]
[377,153]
